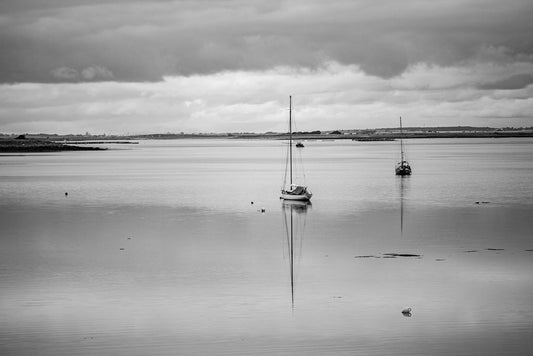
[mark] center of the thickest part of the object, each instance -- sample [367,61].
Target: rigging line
[294,122]
[287,154]
[285,175]
[301,166]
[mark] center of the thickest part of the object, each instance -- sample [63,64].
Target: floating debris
[406,312]
[129,238]
[401,255]
[122,249]
[494,249]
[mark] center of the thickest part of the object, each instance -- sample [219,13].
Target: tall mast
[290,135]
[401,138]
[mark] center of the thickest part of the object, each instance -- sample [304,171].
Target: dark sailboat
[402,168]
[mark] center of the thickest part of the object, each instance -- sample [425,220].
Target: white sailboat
[293,191]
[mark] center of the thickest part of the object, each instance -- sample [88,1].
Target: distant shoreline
[55,143]
[36,145]
[387,137]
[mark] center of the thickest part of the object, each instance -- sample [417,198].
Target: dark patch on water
[470,251]
[440,259]
[390,255]
[401,255]
[529,250]
[494,249]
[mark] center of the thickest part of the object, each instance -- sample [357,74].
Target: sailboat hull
[298,193]
[403,170]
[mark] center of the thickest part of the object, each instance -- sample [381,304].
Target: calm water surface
[157,249]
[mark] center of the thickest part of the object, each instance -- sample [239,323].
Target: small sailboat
[300,144]
[293,191]
[402,168]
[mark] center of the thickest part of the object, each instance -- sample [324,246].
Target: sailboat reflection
[294,219]
[403,186]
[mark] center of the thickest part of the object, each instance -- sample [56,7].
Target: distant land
[23,144]
[43,142]
[392,133]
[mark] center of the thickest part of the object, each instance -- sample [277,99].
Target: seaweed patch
[402,255]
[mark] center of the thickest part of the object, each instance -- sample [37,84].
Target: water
[157,249]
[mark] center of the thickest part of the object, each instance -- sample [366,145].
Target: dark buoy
[262,210]
[66,193]
[252,202]
[122,249]
[406,312]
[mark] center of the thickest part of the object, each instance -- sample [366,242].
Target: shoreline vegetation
[8,145]
[54,142]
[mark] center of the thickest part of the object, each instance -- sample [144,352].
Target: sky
[131,67]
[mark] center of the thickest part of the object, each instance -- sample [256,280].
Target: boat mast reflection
[294,219]
[402,188]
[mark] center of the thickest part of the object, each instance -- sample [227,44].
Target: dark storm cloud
[146,40]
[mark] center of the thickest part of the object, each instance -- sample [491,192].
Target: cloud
[148,40]
[65,73]
[334,96]
[91,73]
[518,81]
[96,72]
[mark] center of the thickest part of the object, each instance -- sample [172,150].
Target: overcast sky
[71,66]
